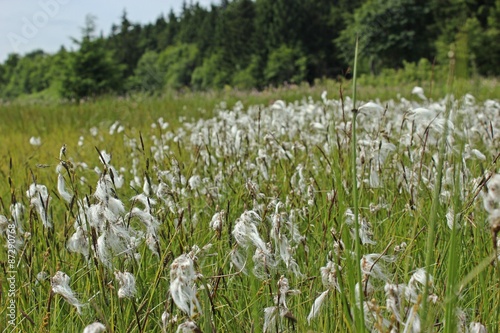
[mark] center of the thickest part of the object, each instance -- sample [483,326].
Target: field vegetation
[229,211]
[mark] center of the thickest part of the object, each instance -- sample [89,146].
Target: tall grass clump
[357,297]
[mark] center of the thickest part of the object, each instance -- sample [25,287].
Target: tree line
[250,44]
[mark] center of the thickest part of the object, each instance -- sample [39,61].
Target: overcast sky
[27,25]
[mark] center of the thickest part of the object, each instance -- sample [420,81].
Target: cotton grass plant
[280,216]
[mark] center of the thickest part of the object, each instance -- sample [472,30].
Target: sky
[28,25]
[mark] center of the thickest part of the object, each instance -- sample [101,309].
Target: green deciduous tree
[178,63]
[249,77]
[27,75]
[390,32]
[286,64]
[211,74]
[148,75]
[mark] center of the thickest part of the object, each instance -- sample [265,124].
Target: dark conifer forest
[247,44]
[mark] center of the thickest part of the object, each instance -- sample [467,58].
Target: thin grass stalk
[346,287]
[496,325]
[359,315]
[158,275]
[433,216]
[454,257]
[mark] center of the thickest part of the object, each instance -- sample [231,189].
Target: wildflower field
[248,215]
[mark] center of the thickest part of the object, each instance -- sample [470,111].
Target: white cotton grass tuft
[473,153]
[105,193]
[188,327]
[194,182]
[217,221]
[103,250]
[284,292]
[491,197]
[96,327]
[145,200]
[270,314]
[412,324]
[42,276]
[373,265]
[165,316]
[153,243]
[284,233]
[491,202]
[278,105]
[393,294]
[476,327]
[416,286]
[238,260]
[365,228]
[318,302]
[4,223]
[149,221]
[61,188]
[127,284]
[245,231]
[419,91]
[264,263]
[35,141]
[420,278]
[422,115]
[94,131]
[452,219]
[78,242]
[182,285]
[39,199]
[6,231]
[116,128]
[281,308]
[329,275]
[60,285]
[17,210]
[365,232]
[371,107]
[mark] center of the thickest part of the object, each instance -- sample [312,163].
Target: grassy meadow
[250,211]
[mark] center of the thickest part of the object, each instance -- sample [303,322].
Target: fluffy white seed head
[491,198]
[317,305]
[270,314]
[61,188]
[60,285]
[188,327]
[217,221]
[95,328]
[182,284]
[78,242]
[373,265]
[39,199]
[476,327]
[329,275]
[35,141]
[127,284]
